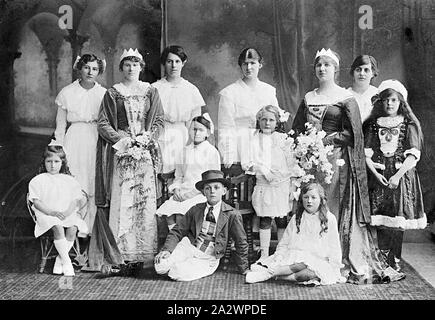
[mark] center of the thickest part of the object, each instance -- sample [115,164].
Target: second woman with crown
[333,109]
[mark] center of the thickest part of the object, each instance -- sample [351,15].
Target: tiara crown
[327,53]
[130,53]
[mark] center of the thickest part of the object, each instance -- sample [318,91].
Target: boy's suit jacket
[229,223]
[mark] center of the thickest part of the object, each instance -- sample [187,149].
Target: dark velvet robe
[111,118]
[350,138]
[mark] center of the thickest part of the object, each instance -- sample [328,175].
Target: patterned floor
[220,286]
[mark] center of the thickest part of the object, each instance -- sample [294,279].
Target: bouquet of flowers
[311,158]
[133,155]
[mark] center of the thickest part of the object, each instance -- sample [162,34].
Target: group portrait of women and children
[337,180]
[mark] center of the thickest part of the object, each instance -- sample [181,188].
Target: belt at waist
[89,122]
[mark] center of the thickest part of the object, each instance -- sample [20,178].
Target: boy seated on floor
[195,245]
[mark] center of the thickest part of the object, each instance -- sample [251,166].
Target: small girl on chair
[197,157]
[56,198]
[309,251]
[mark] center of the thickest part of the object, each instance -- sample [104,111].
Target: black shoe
[110,271]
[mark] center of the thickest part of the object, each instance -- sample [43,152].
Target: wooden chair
[47,245]
[240,197]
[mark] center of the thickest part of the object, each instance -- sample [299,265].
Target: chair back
[242,186]
[29,204]
[83,212]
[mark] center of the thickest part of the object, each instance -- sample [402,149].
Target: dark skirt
[400,208]
[102,247]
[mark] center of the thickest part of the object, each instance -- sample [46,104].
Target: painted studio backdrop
[37,54]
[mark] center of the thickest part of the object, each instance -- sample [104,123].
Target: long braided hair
[323,208]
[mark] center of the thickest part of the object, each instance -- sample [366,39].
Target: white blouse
[364,101]
[80,104]
[238,106]
[181,102]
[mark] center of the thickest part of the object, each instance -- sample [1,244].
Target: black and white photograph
[217,156]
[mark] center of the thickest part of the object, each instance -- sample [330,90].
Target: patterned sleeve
[156,114]
[105,115]
[413,141]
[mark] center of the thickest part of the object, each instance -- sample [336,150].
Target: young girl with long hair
[393,142]
[309,251]
[57,197]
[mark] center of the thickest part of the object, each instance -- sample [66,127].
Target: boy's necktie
[210,216]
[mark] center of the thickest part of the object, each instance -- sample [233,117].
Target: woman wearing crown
[126,192]
[333,109]
[78,104]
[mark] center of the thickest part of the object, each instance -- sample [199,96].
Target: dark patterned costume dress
[388,141]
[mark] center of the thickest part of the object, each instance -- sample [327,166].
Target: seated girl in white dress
[57,198]
[309,251]
[196,158]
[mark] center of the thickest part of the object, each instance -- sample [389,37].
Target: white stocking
[264,242]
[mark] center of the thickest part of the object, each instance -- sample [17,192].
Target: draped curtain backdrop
[287,33]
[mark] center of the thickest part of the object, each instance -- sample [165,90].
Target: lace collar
[390,122]
[138,89]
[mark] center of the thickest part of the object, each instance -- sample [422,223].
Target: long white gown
[181,103]
[80,140]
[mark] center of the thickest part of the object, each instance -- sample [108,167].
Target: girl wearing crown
[334,110]
[78,104]
[181,102]
[130,109]
[393,141]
